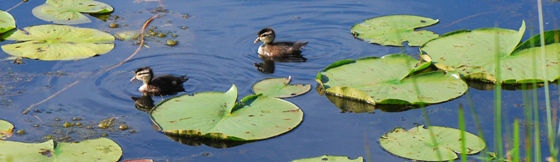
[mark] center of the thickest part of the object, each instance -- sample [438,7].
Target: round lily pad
[59,42]
[280,88]
[391,79]
[330,158]
[6,129]
[69,11]
[393,30]
[7,22]
[216,115]
[102,149]
[475,55]
[417,144]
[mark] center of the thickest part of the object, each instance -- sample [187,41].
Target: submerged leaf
[7,22]
[393,30]
[215,115]
[280,88]
[417,144]
[59,42]
[68,11]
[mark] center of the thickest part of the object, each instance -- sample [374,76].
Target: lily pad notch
[473,54]
[391,79]
[280,88]
[69,11]
[217,115]
[417,144]
[59,42]
[393,30]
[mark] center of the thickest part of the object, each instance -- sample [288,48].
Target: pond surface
[217,51]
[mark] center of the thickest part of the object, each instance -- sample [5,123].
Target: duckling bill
[270,48]
[161,85]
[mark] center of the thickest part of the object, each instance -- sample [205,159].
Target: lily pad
[327,158]
[59,42]
[102,149]
[69,11]
[7,22]
[280,88]
[216,115]
[6,129]
[391,79]
[393,30]
[417,143]
[475,55]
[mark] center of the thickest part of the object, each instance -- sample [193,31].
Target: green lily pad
[391,79]
[327,158]
[7,22]
[69,11]
[475,54]
[102,149]
[216,115]
[59,42]
[6,129]
[417,144]
[393,30]
[279,88]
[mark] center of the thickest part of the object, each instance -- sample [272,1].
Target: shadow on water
[196,141]
[267,66]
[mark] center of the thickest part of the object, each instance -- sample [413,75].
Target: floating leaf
[68,11]
[59,42]
[393,30]
[102,149]
[7,22]
[6,129]
[216,115]
[328,158]
[390,79]
[279,87]
[417,143]
[474,53]
[128,35]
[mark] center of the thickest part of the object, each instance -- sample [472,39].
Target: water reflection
[491,86]
[143,103]
[267,66]
[197,141]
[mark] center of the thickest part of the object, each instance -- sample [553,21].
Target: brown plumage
[272,49]
[161,85]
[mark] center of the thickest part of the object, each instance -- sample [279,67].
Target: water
[217,51]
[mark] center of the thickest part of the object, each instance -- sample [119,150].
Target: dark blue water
[217,51]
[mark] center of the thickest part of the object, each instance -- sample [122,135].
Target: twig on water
[112,67]
[8,10]
[468,17]
[48,98]
[139,46]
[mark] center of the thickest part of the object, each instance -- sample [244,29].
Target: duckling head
[266,35]
[145,74]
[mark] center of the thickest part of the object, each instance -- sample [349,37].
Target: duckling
[161,85]
[269,48]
